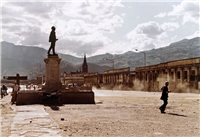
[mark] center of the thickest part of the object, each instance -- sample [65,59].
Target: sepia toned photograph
[100,68]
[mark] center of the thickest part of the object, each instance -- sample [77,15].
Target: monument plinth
[52,73]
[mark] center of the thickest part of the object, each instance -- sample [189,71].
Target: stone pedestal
[52,73]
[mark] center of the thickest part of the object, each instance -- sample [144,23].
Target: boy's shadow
[176,114]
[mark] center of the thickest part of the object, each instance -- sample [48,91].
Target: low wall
[34,97]
[28,97]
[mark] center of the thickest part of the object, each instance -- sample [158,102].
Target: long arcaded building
[117,76]
[183,76]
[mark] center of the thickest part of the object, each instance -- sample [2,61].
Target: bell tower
[85,65]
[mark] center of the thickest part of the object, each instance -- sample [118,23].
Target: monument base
[52,74]
[53,87]
[67,97]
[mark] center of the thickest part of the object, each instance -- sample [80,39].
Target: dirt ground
[116,113]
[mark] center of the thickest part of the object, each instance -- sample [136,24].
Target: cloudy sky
[98,27]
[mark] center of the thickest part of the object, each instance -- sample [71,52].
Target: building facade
[181,74]
[94,79]
[117,77]
[67,79]
[76,77]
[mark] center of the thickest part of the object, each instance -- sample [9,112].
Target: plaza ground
[116,113]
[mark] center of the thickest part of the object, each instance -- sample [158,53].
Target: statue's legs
[49,50]
[51,47]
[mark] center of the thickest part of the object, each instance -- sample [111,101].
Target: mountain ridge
[29,60]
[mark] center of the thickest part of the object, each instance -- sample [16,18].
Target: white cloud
[109,24]
[148,35]
[39,10]
[189,18]
[93,11]
[79,27]
[144,34]
[33,36]
[9,38]
[89,43]
[160,15]
[189,10]
[150,29]
[123,14]
[196,34]
[115,47]
[170,26]
[173,38]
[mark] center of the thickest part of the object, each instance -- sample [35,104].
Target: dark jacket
[164,94]
[52,37]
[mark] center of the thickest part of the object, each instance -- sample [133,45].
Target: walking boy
[164,96]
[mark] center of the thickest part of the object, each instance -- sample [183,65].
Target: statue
[52,39]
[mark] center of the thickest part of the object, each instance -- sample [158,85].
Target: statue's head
[53,28]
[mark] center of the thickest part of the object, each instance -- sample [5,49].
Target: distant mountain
[27,60]
[175,51]
[30,53]
[30,61]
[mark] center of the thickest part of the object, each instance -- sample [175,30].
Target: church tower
[85,65]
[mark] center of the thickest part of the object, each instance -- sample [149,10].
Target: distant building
[93,78]
[85,65]
[77,72]
[117,77]
[67,79]
[76,77]
[183,76]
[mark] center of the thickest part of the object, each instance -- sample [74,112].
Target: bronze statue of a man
[52,39]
